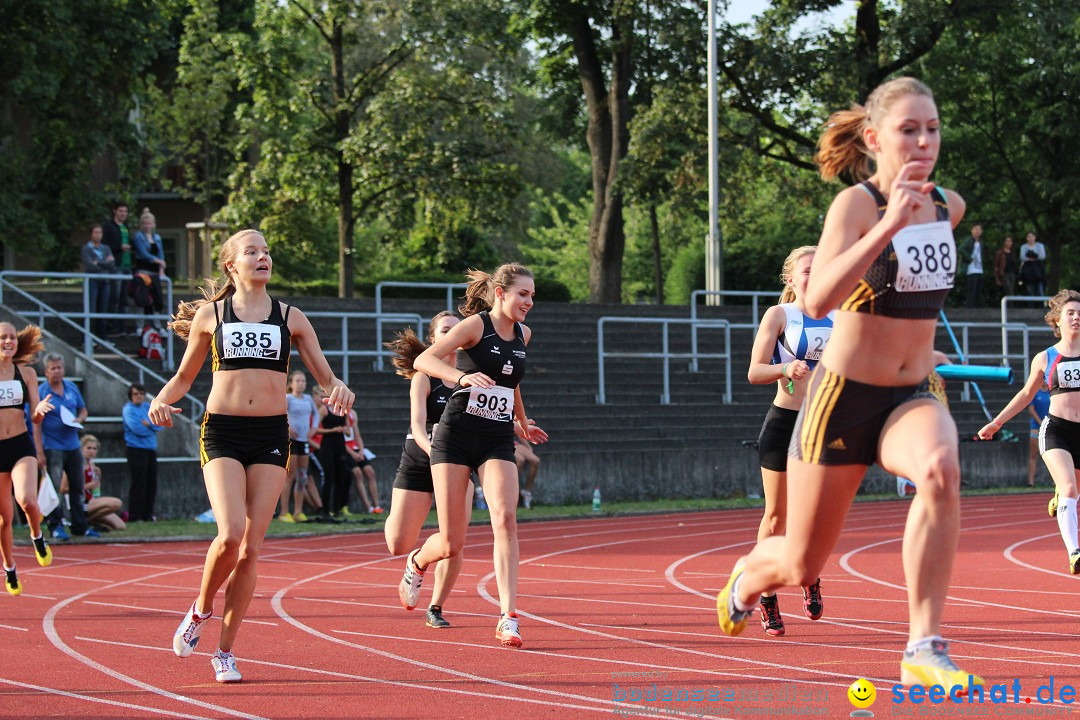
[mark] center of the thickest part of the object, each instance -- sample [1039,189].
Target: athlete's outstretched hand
[477,379]
[161,414]
[988,430]
[531,433]
[42,408]
[340,398]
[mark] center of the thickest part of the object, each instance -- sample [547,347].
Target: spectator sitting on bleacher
[60,437]
[102,511]
[140,436]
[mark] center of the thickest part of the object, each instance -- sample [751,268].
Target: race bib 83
[1068,374]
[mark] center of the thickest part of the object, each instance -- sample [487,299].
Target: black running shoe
[770,616]
[11,582]
[812,603]
[435,618]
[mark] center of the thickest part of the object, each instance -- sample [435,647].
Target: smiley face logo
[861,693]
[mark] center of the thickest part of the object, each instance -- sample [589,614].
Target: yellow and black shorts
[841,420]
[248,440]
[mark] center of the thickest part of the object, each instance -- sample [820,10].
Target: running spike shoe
[931,665]
[812,603]
[732,621]
[409,587]
[506,632]
[771,622]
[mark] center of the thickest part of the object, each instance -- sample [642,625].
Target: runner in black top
[1059,435]
[413,487]
[869,398]
[20,454]
[244,442]
[476,432]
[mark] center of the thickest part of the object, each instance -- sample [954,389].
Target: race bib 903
[495,403]
[250,340]
[926,257]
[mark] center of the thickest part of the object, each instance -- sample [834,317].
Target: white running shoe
[526,499]
[225,667]
[506,632]
[409,588]
[187,633]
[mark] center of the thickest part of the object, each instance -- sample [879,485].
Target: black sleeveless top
[239,345]
[13,392]
[436,401]
[333,442]
[931,266]
[501,360]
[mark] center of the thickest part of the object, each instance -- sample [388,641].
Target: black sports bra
[240,345]
[13,392]
[913,274]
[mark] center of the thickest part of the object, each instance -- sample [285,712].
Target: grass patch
[362,523]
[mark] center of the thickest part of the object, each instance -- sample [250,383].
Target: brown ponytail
[480,294]
[212,289]
[28,344]
[407,346]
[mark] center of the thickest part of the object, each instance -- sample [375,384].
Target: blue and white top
[804,338]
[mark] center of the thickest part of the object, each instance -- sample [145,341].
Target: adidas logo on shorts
[275,451]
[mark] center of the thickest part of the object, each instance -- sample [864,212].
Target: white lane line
[387,606]
[614,568]
[48,624]
[606,583]
[568,598]
[364,678]
[1011,557]
[104,701]
[271,623]
[14,627]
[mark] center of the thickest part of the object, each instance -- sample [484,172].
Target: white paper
[68,418]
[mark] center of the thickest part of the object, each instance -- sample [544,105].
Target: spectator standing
[971,258]
[150,263]
[60,437]
[1033,266]
[1039,407]
[140,436]
[1005,267]
[98,258]
[118,238]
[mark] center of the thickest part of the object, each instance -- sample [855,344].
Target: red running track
[610,608]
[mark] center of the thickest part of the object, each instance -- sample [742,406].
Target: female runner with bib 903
[20,451]
[787,348]
[886,259]
[1059,435]
[413,486]
[244,438]
[476,431]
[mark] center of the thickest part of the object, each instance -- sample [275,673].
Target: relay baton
[976,373]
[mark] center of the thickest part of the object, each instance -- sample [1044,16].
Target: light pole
[714,244]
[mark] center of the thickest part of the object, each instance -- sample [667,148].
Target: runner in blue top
[1059,435]
[1038,410]
[788,346]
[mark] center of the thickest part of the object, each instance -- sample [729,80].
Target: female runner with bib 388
[476,431]
[244,439]
[886,260]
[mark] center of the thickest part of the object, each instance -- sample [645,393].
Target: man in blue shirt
[60,437]
[140,435]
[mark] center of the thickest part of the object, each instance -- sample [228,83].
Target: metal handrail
[44,310]
[1005,301]
[665,354]
[449,287]
[380,350]
[168,362]
[1004,356]
[755,315]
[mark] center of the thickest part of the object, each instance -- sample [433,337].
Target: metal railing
[755,313]
[665,354]
[86,316]
[380,352]
[46,311]
[1004,356]
[1017,299]
[449,287]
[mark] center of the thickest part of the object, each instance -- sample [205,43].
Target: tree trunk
[607,136]
[654,227]
[344,167]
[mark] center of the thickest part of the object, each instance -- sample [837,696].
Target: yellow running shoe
[1051,507]
[346,511]
[931,665]
[1074,562]
[42,552]
[732,621]
[299,517]
[11,582]
[287,518]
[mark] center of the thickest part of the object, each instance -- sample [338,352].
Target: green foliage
[558,246]
[686,275]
